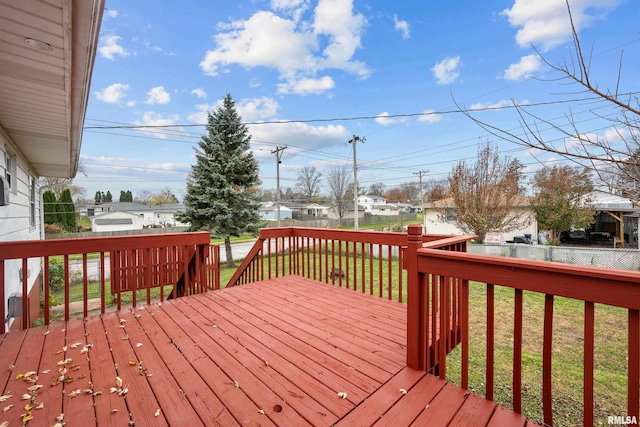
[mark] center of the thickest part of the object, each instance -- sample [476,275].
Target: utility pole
[278,152]
[420,175]
[354,141]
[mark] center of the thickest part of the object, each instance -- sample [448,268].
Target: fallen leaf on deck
[157,412]
[29,406]
[403,391]
[26,397]
[261,411]
[235,383]
[126,337]
[27,417]
[133,362]
[5,397]
[74,393]
[123,321]
[76,345]
[40,405]
[139,345]
[62,351]
[34,388]
[114,410]
[11,367]
[46,371]
[60,417]
[113,390]
[65,362]
[46,333]
[118,382]
[6,408]
[342,394]
[4,424]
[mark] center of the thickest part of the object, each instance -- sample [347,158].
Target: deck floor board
[272,353]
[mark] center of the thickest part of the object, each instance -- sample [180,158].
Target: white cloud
[148,45]
[109,47]
[149,118]
[250,109]
[110,13]
[306,86]
[199,92]
[546,22]
[429,116]
[257,108]
[384,119]
[402,26]
[113,94]
[523,69]
[300,135]
[294,47]
[447,70]
[492,105]
[157,95]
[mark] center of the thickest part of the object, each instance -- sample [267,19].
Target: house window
[32,201]
[450,215]
[10,171]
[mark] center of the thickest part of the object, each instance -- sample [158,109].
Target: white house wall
[16,222]
[435,225]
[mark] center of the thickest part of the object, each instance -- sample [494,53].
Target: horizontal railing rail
[367,261]
[439,291]
[125,264]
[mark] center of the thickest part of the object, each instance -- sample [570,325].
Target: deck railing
[127,265]
[439,291]
[367,261]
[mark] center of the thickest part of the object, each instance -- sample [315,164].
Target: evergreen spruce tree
[50,211]
[108,198]
[129,196]
[123,196]
[98,198]
[68,211]
[221,195]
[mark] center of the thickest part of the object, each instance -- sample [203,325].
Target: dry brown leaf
[27,417]
[133,362]
[5,397]
[6,408]
[4,424]
[118,382]
[74,393]
[342,394]
[157,412]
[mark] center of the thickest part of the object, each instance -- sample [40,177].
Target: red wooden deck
[277,352]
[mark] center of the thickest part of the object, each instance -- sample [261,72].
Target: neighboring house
[333,212]
[116,221]
[302,210]
[368,202]
[48,54]
[615,217]
[387,209]
[269,212]
[152,215]
[439,217]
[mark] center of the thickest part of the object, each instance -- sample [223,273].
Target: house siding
[17,223]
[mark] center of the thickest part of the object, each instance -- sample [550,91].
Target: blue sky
[311,74]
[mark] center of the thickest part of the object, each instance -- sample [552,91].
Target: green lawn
[610,358]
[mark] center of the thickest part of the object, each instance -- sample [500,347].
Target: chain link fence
[622,259]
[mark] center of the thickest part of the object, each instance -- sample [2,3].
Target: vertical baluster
[464,333]
[370,246]
[589,326]
[45,285]
[355,266]
[347,264]
[490,344]
[103,283]
[517,352]
[444,326]
[380,276]
[400,262]
[633,393]
[66,287]
[85,286]
[547,350]
[389,272]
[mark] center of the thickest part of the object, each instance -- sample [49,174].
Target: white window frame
[32,201]
[11,171]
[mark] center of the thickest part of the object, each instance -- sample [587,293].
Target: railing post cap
[414,229]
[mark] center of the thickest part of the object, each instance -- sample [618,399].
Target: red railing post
[416,332]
